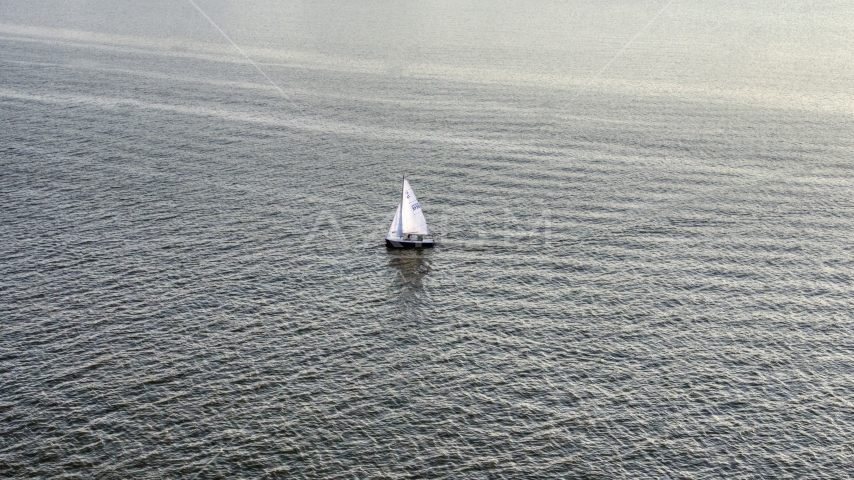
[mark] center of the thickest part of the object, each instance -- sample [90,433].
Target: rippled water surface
[644,213]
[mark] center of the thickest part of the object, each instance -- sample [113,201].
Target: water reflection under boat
[409,267]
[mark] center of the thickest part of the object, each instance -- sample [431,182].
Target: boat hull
[403,243]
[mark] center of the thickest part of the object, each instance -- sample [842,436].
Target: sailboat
[409,227]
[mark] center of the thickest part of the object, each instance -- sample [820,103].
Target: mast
[400,209]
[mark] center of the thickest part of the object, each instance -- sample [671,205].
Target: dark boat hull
[408,244]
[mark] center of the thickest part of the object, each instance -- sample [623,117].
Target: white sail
[395,224]
[409,227]
[411,217]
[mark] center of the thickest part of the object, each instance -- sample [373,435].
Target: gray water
[644,216]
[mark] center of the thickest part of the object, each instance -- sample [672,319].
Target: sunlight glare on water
[643,212]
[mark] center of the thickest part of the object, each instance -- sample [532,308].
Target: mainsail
[408,218]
